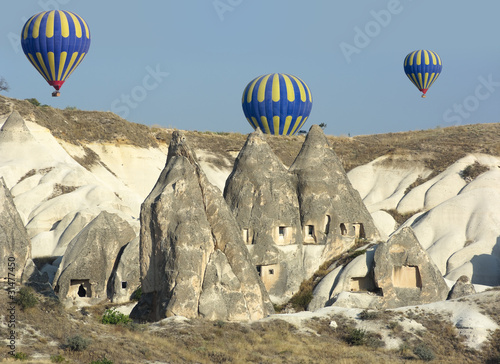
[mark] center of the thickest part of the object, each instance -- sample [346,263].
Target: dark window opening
[310,230]
[282,231]
[124,285]
[259,269]
[82,292]
[343,230]
[327,224]
[271,271]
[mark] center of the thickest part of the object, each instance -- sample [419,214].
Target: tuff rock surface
[328,201]
[15,246]
[91,256]
[193,260]
[126,277]
[262,195]
[405,274]
[462,287]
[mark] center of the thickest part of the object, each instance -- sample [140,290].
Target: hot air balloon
[422,68]
[277,103]
[55,42]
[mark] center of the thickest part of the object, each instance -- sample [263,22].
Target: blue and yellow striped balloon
[422,67]
[55,42]
[277,103]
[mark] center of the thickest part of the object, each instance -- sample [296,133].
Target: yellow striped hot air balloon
[277,103]
[55,42]
[422,67]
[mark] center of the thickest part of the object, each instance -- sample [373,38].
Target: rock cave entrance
[284,235]
[328,220]
[353,230]
[406,276]
[363,284]
[269,274]
[80,288]
[247,238]
[309,234]
[343,229]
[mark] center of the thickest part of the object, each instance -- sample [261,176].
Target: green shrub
[369,315]
[21,356]
[102,361]
[113,317]
[57,359]
[33,101]
[424,352]
[356,337]
[136,296]
[77,343]
[71,108]
[472,171]
[220,323]
[26,298]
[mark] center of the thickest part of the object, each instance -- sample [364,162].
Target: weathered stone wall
[405,273]
[91,256]
[192,256]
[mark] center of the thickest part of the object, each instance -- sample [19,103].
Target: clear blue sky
[184,63]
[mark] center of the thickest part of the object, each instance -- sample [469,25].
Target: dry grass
[399,217]
[44,330]
[436,148]
[304,295]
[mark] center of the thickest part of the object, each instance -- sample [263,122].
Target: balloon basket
[423,96]
[56,94]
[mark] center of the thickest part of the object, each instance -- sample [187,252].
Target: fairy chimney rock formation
[15,130]
[330,208]
[405,273]
[193,259]
[90,258]
[15,245]
[462,287]
[262,195]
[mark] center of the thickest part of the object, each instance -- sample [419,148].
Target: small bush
[57,359]
[399,217]
[33,101]
[102,361]
[395,326]
[136,296]
[219,323]
[356,337]
[472,171]
[368,315]
[424,352]
[26,298]
[77,343]
[113,317]
[21,356]
[70,108]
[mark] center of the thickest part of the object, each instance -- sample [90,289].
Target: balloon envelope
[277,103]
[422,67]
[55,42]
